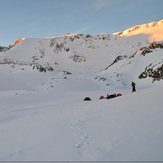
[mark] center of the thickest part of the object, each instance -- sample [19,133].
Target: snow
[39,126]
[43,116]
[153,29]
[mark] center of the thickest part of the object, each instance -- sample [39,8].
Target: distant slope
[82,51]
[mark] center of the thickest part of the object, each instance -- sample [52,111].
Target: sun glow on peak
[17,41]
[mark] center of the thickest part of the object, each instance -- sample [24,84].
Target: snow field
[37,126]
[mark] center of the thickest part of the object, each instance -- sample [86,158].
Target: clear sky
[47,18]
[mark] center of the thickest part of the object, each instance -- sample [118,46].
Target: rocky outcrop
[2,48]
[152,46]
[156,74]
[42,68]
[116,60]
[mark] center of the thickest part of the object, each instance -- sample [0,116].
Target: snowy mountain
[153,29]
[43,84]
[108,58]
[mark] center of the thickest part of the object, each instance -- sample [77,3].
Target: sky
[48,18]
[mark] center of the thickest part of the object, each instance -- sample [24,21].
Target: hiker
[133,86]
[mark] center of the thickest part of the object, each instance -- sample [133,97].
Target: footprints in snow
[83,136]
[78,145]
[81,153]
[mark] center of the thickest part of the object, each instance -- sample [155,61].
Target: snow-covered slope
[55,126]
[153,29]
[90,57]
[144,67]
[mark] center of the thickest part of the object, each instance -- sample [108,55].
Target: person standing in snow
[133,86]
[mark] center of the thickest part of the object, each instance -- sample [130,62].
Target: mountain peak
[17,41]
[154,29]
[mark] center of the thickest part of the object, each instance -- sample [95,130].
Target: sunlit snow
[43,116]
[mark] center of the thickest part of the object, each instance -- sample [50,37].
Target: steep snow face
[153,29]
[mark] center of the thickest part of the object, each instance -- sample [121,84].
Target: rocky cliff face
[154,71]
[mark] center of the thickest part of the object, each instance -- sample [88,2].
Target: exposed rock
[52,42]
[67,73]
[116,60]
[100,78]
[77,58]
[156,74]
[41,68]
[67,49]
[152,46]
[58,48]
[88,36]
[2,48]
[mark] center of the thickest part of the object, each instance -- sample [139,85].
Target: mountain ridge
[104,59]
[130,31]
[154,29]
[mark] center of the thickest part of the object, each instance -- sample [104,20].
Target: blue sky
[46,18]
